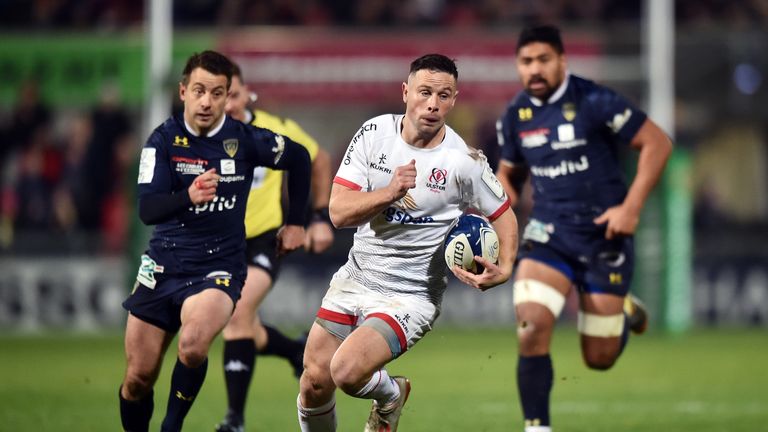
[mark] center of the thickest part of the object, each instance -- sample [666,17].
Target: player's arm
[320,231]
[655,147]
[511,171]
[295,160]
[512,178]
[350,207]
[495,274]
[155,208]
[158,201]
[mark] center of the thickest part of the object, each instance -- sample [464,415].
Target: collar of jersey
[556,95]
[213,131]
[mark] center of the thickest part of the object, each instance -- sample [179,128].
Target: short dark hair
[548,34]
[435,62]
[211,61]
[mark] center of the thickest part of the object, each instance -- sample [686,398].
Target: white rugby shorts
[348,303]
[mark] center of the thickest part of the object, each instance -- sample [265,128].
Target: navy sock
[135,415]
[239,362]
[281,345]
[534,383]
[185,384]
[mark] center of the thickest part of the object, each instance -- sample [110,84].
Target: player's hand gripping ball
[471,235]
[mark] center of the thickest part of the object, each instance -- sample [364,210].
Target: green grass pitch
[463,380]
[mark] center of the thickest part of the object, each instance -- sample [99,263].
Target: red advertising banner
[307,66]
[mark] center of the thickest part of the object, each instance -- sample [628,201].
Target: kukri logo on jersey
[380,166]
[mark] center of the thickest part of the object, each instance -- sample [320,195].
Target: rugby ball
[471,235]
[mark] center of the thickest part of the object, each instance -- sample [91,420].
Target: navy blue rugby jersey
[570,144]
[210,236]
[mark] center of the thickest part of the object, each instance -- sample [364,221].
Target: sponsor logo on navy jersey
[561,169]
[217,204]
[230,179]
[619,120]
[181,142]
[185,165]
[566,138]
[534,138]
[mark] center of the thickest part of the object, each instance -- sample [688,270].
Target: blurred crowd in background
[67,172]
[118,14]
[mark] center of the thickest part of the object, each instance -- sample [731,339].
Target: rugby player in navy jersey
[565,131]
[194,177]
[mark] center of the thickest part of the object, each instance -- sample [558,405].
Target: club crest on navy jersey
[230,146]
[569,111]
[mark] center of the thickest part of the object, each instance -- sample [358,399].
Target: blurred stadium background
[83,83]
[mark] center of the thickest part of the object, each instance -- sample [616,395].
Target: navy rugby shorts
[161,305]
[583,254]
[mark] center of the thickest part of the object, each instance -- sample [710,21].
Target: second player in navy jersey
[565,132]
[194,177]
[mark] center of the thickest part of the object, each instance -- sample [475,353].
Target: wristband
[321,215]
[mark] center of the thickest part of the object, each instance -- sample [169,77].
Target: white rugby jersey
[400,250]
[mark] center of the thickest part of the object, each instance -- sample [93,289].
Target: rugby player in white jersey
[403,180]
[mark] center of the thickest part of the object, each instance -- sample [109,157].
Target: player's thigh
[145,345]
[363,352]
[204,315]
[319,350]
[548,286]
[255,289]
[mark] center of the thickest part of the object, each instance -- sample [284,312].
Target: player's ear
[182,91]
[405,92]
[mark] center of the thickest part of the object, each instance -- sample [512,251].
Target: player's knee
[192,351]
[533,337]
[138,384]
[346,375]
[315,384]
[602,359]
[538,305]
[600,339]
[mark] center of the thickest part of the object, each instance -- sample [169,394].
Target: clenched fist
[203,188]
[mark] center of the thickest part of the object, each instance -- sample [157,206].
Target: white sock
[381,388]
[538,429]
[320,419]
